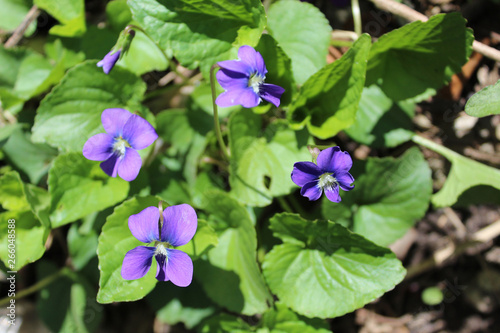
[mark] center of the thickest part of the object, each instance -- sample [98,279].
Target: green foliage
[328,101]
[68,305]
[484,103]
[418,58]
[389,197]
[303,33]
[70,13]
[258,157]
[230,276]
[79,187]
[71,113]
[282,319]
[27,205]
[324,270]
[13,13]
[380,122]
[115,241]
[200,33]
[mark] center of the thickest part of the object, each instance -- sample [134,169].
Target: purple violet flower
[243,81]
[109,61]
[179,226]
[125,134]
[331,172]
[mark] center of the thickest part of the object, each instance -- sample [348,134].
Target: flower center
[161,248]
[120,145]
[255,82]
[327,181]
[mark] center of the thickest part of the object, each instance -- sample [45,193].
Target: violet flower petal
[254,59]
[114,119]
[333,160]
[345,179]
[110,166]
[108,62]
[236,66]
[144,225]
[129,165]
[229,98]
[271,93]
[179,224]
[138,132]
[305,172]
[333,194]
[179,268]
[137,262]
[311,191]
[231,80]
[98,147]
[248,98]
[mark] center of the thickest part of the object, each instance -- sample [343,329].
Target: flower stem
[37,286]
[356,15]
[284,204]
[218,132]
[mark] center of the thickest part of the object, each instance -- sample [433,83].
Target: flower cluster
[179,226]
[243,81]
[125,134]
[330,173]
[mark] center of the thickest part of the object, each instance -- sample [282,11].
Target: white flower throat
[255,82]
[120,145]
[327,181]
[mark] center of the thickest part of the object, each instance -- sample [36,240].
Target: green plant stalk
[37,286]
[356,15]
[218,132]
[433,146]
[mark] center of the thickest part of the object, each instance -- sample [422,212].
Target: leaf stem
[356,15]
[218,132]
[37,286]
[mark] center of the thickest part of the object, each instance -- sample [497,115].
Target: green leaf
[79,187]
[224,323]
[24,74]
[204,239]
[115,241]
[303,33]
[13,13]
[175,305]
[81,246]
[231,276]
[279,68]
[282,319]
[485,102]
[380,121]
[68,304]
[200,33]
[30,237]
[26,205]
[256,160]
[328,101]
[118,14]
[18,196]
[419,57]
[143,56]
[32,159]
[390,195]
[464,174]
[70,13]
[324,270]
[71,112]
